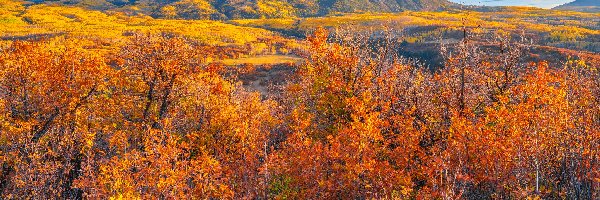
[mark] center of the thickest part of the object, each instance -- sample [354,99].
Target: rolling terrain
[236,9]
[297,99]
[558,35]
[422,32]
[581,6]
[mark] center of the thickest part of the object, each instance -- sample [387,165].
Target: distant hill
[328,6]
[236,9]
[581,5]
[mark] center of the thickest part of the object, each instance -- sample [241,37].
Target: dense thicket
[156,121]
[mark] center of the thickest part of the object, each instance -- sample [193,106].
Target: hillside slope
[581,5]
[48,21]
[237,9]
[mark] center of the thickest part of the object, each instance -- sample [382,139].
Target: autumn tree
[349,137]
[48,118]
[487,125]
[158,119]
[179,128]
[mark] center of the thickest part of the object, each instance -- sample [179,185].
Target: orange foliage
[154,120]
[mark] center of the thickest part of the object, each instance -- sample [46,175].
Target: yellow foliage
[275,9]
[260,60]
[512,19]
[73,21]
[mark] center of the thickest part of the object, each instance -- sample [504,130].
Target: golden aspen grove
[298,99]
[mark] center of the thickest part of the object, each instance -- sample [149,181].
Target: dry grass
[264,60]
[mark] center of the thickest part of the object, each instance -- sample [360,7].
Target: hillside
[297,99]
[422,30]
[581,5]
[236,9]
[49,21]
